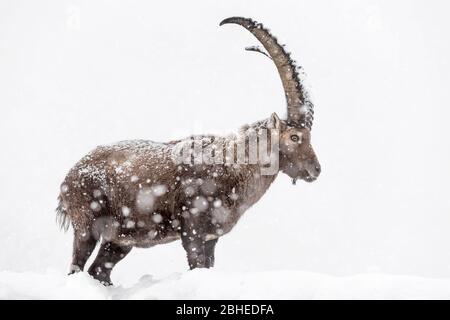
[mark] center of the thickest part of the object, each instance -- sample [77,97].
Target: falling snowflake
[95,206]
[97,193]
[64,188]
[126,211]
[201,204]
[145,200]
[130,224]
[157,218]
[159,190]
[152,234]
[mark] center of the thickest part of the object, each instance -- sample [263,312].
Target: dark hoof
[106,283]
[74,269]
[101,276]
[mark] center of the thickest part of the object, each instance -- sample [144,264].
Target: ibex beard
[142,193]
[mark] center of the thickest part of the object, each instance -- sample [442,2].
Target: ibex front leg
[210,246]
[196,241]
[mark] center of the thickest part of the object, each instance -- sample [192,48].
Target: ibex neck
[253,180]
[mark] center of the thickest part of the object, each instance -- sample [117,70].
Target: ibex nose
[318,168]
[314,170]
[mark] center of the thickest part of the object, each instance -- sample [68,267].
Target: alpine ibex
[137,194]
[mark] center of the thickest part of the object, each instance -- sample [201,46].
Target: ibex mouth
[305,176]
[308,179]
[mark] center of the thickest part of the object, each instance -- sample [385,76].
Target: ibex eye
[295,138]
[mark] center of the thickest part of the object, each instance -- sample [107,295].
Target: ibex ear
[275,122]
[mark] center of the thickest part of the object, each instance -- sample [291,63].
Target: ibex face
[297,157]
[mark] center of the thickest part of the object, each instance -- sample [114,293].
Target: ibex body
[138,194]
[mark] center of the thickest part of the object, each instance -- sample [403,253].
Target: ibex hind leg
[108,256]
[83,246]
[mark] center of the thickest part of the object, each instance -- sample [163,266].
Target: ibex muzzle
[137,194]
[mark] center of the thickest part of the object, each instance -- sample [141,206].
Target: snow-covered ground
[210,284]
[75,74]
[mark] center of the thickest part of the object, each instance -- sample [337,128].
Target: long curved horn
[300,108]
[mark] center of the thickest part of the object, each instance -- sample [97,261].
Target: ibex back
[140,194]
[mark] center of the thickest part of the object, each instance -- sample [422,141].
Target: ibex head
[297,157]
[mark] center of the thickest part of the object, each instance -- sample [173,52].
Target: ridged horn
[299,107]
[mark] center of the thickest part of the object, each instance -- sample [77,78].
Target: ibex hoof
[74,269]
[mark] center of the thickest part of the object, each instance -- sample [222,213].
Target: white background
[76,74]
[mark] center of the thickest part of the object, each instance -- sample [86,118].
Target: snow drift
[211,284]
